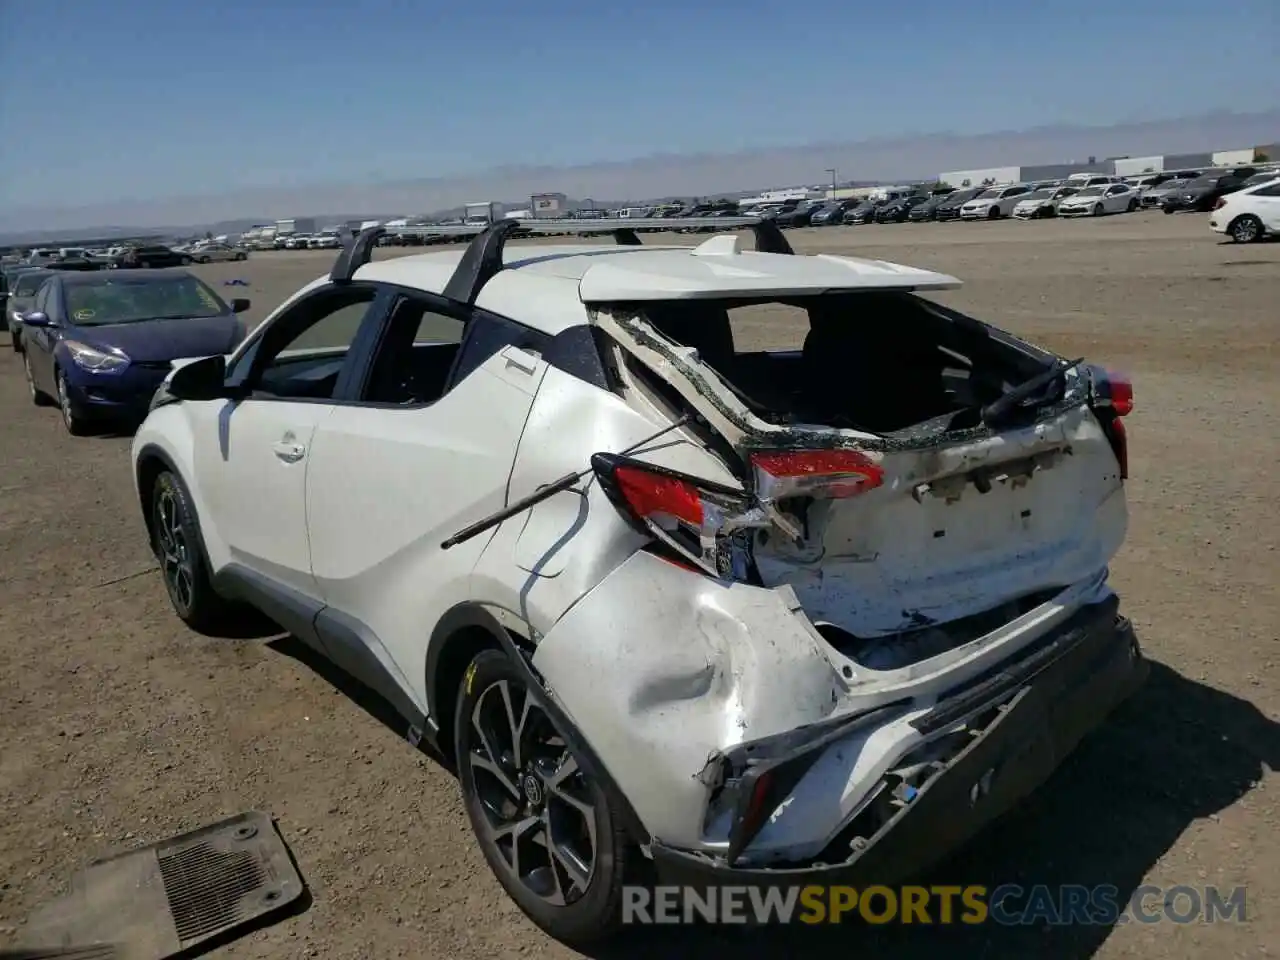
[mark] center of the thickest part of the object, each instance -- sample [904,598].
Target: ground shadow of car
[1177,752]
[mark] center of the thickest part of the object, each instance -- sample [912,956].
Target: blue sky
[145,99]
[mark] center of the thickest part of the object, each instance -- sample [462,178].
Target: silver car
[216,252]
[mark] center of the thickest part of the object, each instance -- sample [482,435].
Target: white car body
[1108,198]
[666,649]
[1249,215]
[995,203]
[326,240]
[1036,206]
[297,241]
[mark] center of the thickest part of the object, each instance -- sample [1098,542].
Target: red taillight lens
[1112,390]
[829,474]
[1112,399]
[1220,203]
[650,495]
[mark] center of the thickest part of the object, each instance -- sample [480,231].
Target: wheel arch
[462,633]
[150,462]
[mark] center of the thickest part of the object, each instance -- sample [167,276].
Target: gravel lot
[117,726]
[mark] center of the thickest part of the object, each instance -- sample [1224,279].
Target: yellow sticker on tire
[470,677]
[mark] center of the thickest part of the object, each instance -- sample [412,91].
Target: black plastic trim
[291,609]
[769,238]
[355,254]
[349,643]
[473,616]
[480,263]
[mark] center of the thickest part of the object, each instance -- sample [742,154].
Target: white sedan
[1250,214]
[1101,199]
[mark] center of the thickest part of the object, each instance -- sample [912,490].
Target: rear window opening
[887,363]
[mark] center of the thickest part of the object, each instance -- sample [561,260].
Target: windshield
[1040,195]
[1090,192]
[28,283]
[1200,182]
[988,195]
[133,299]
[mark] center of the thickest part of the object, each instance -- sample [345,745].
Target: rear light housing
[1111,399]
[694,520]
[821,474]
[1219,203]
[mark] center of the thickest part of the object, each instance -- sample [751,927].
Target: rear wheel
[38,396]
[549,832]
[1133,205]
[242,255]
[16,337]
[1246,229]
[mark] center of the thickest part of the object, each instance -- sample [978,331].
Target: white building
[976,178]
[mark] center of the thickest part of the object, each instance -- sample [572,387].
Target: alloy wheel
[175,553]
[536,804]
[1244,230]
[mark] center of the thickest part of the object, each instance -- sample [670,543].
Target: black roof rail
[483,258]
[481,262]
[355,254]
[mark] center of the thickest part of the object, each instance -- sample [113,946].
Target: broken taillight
[823,474]
[693,517]
[1111,399]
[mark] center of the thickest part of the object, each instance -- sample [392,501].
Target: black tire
[595,912]
[38,396]
[242,255]
[1246,229]
[76,425]
[993,213]
[200,260]
[1133,205]
[186,261]
[16,337]
[1170,210]
[1098,210]
[175,541]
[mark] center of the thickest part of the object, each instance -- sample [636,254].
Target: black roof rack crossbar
[483,258]
[355,254]
[481,262]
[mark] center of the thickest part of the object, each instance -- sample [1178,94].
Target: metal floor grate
[206,887]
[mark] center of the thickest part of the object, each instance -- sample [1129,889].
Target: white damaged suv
[676,605]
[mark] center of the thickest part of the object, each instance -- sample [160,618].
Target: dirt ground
[118,727]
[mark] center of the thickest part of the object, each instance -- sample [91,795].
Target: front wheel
[548,830]
[242,255]
[186,261]
[1098,210]
[74,423]
[1133,205]
[1246,229]
[993,213]
[175,541]
[16,337]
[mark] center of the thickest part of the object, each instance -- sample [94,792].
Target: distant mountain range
[882,160]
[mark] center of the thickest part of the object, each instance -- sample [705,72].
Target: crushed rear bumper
[1053,699]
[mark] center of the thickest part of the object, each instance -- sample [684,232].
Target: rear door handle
[288,451]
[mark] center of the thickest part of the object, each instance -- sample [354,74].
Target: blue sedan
[99,344]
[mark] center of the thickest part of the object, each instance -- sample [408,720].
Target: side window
[302,354]
[419,346]
[489,334]
[1271,191]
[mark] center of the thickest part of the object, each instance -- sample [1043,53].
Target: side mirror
[240,304]
[37,318]
[201,380]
